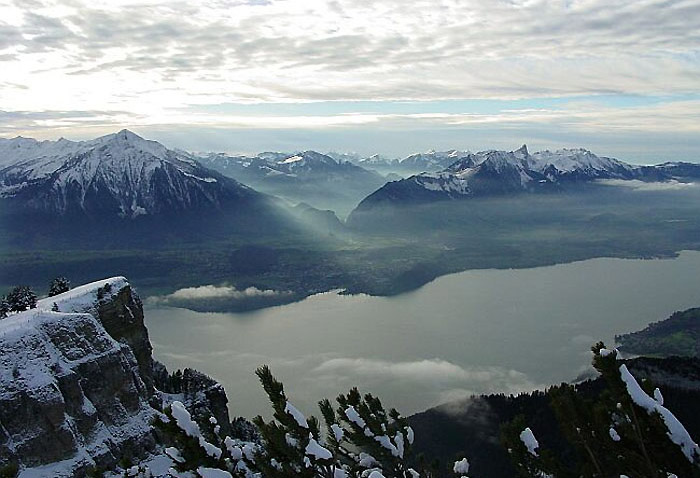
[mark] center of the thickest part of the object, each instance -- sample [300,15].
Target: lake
[472,332]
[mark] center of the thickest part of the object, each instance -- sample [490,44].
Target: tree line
[22,297]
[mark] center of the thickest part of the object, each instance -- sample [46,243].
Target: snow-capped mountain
[378,161]
[507,172]
[431,161]
[308,176]
[310,162]
[121,174]
[306,165]
[579,164]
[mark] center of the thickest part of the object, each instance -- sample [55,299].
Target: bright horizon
[619,78]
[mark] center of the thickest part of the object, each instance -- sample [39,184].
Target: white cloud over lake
[441,379]
[649,186]
[213,292]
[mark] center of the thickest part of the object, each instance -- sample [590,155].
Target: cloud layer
[644,186]
[83,66]
[321,49]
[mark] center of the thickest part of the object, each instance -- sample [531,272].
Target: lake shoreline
[296,297]
[484,331]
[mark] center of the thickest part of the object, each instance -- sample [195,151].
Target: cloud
[447,379]
[214,292]
[319,50]
[636,185]
[154,62]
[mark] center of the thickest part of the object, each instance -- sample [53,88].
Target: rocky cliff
[77,387]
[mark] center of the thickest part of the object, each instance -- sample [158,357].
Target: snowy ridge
[377,160]
[83,298]
[307,160]
[306,163]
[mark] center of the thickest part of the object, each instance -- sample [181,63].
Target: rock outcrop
[77,383]
[203,396]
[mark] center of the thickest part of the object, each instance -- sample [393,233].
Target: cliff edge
[77,385]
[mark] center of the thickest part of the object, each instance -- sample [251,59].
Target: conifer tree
[58,286]
[625,431]
[362,440]
[4,307]
[21,298]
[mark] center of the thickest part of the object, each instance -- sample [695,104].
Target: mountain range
[491,173]
[123,175]
[429,161]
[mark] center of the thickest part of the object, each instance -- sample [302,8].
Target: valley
[391,252]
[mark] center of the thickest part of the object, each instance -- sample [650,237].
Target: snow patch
[529,440]
[296,414]
[317,451]
[461,467]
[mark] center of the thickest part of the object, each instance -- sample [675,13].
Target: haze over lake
[472,332]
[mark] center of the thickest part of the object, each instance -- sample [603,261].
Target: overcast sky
[621,78]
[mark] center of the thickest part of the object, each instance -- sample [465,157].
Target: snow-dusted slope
[120,173]
[308,161]
[487,172]
[579,163]
[431,161]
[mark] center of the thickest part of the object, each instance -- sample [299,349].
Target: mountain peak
[124,136]
[120,173]
[522,150]
[128,134]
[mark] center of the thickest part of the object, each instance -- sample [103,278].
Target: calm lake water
[472,332]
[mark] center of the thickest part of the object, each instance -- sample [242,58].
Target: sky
[621,78]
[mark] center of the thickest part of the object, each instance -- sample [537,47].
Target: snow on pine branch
[529,440]
[296,414]
[675,429]
[183,419]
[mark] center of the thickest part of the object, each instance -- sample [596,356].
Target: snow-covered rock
[77,385]
[461,467]
[72,394]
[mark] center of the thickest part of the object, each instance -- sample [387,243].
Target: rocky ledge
[79,387]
